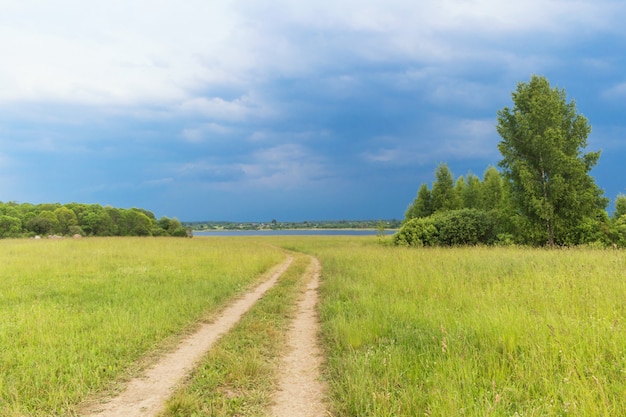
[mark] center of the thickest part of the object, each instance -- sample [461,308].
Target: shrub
[417,232]
[449,228]
[464,227]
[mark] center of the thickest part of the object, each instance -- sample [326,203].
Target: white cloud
[114,52]
[282,167]
[615,92]
[428,30]
[450,138]
[136,51]
[285,166]
[259,136]
[449,91]
[204,132]
[470,138]
[383,155]
[387,150]
[217,108]
[50,68]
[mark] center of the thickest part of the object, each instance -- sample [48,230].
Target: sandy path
[301,391]
[145,396]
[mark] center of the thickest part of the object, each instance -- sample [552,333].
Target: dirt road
[145,396]
[300,393]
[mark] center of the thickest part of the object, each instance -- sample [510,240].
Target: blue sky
[289,110]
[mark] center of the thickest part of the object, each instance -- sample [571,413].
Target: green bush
[417,232]
[464,227]
[449,228]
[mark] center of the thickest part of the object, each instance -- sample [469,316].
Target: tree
[66,218]
[444,196]
[491,189]
[620,206]
[471,196]
[542,138]
[421,206]
[380,230]
[96,221]
[43,224]
[171,227]
[10,226]
[459,189]
[138,222]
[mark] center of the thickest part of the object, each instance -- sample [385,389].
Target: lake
[293,232]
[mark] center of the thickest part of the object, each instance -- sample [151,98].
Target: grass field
[407,332]
[472,331]
[76,314]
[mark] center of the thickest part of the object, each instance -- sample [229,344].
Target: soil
[145,396]
[300,391]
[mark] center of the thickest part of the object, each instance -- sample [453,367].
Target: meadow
[79,316]
[471,331]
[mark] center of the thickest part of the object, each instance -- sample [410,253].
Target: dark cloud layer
[286,110]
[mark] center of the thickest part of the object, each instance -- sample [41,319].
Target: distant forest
[55,219]
[28,220]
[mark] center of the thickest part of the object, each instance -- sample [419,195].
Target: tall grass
[472,331]
[407,332]
[76,314]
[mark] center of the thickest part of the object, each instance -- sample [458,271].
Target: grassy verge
[472,331]
[76,314]
[237,376]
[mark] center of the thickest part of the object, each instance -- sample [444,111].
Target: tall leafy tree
[10,226]
[67,218]
[43,224]
[471,196]
[459,188]
[444,196]
[422,205]
[491,189]
[543,136]
[620,206]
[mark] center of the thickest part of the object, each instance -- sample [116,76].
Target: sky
[253,110]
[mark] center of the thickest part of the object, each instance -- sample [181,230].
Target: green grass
[76,315]
[407,332]
[472,331]
[238,376]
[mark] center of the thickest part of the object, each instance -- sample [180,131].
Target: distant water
[293,232]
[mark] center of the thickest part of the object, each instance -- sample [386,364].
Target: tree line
[543,193]
[27,220]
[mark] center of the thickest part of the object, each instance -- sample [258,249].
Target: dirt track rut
[301,391]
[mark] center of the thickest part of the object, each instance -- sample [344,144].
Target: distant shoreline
[206,226]
[293,232]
